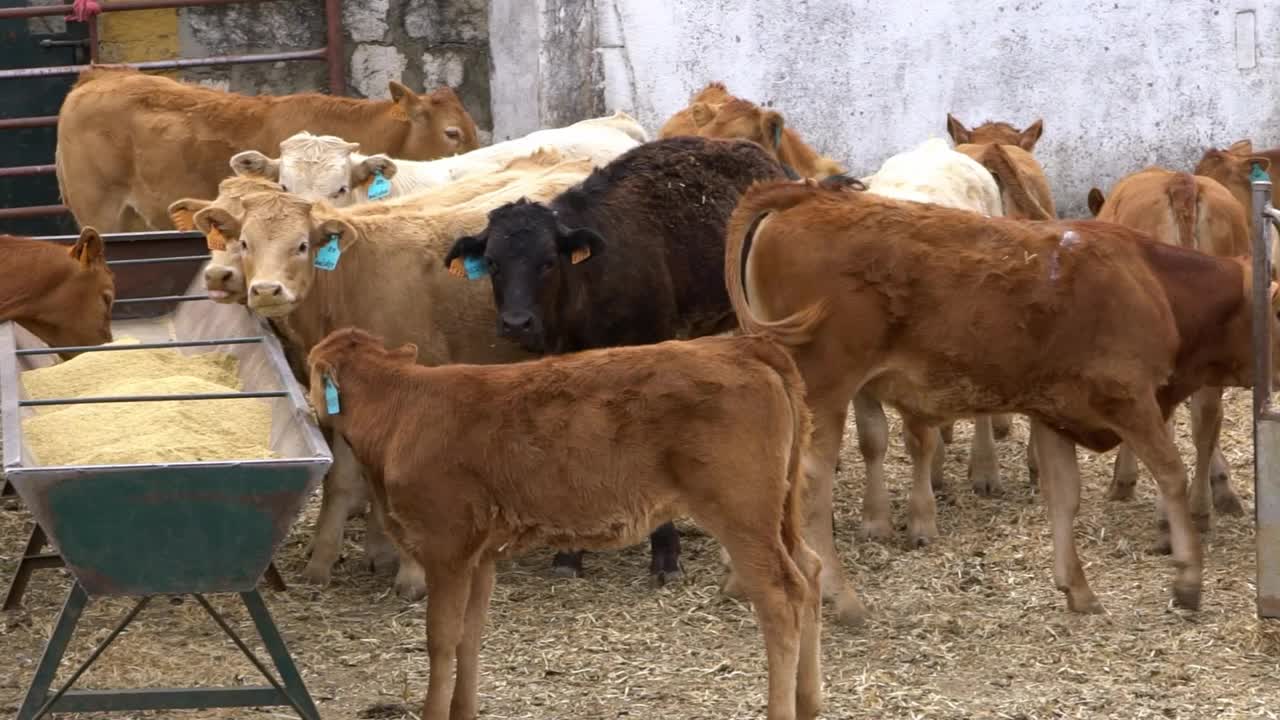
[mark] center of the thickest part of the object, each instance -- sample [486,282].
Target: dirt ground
[970,627]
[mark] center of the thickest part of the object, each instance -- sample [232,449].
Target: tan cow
[714,113]
[474,464]
[995,133]
[389,279]
[62,296]
[1231,168]
[1093,330]
[129,144]
[1192,212]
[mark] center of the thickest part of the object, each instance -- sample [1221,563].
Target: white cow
[324,167]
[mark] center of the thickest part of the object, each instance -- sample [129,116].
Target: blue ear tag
[475,267]
[1258,174]
[777,135]
[380,187]
[327,256]
[331,404]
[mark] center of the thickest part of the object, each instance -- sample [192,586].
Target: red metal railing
[331,54]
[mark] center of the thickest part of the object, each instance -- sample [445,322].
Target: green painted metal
[178,530]
[289,690]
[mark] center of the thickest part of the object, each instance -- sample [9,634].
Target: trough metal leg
[33,559]
[289,690]
[6,488]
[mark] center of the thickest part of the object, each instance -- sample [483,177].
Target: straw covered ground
[970,627]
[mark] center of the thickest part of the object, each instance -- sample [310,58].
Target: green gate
[30,43]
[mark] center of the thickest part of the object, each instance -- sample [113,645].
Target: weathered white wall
[1120,83]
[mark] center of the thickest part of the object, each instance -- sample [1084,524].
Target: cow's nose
[517,322]
[218,275]
[266,289]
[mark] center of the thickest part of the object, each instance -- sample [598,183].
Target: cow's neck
[24,296]
[374,397]
[379,126]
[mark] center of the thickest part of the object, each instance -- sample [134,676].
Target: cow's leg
[344,492]
[922,444]
[664,549]
[873,442]
[947,432]
[1163,544]
[829,414]
[446,610]
[984,469]
[1060,485]
[809,666]
[1153,444]
[1001,425]
[1033,465]
[466,688]
[378,548]
[937,478]
[1225,499]
[1124,475]
[1206,417]
[1206,429]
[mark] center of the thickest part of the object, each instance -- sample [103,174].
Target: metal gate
[1266,417]
[38,67]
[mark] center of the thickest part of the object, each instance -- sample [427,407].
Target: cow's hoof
[383,562]
[849,610]
[665,577]
[565,571]
[1186,595]
[732,587]
[1120,492]
[1228,503]
[317,574]
[985,484]
[1162,545]
[1000,429]
[1083,601]
[875,531]
[1202,521]
[410,590]
[922,539]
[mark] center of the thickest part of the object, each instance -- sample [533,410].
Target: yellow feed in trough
[144,432]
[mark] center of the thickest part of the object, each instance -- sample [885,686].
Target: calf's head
[317,167]
[1232,168]
[439,125]
[71,304]
[278,239]
[224,274]
[995,133]
[333,358]
[529,256]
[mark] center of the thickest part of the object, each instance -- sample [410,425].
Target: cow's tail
[1183,197]
[793,507]
[997,161]
[754,209]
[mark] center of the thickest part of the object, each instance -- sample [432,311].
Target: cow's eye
[244,245]
[340,192]
[303,247]
[284,187]
[491,265]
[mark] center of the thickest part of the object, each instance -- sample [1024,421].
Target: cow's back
[663,208]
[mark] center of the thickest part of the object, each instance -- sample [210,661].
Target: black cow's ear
[579,243]
[466,258]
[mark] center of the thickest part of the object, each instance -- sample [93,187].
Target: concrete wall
[1120,85]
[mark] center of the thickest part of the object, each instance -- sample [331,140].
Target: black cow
[633,255]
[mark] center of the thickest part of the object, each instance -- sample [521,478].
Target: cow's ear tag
[380,187]
[327,256]
[214,239]
[331,404]
[579,254]
[475,267]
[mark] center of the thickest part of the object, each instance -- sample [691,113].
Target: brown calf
[1231,168]
[1094,331]
[995,133]
[130,143]
[475,463]
[61,296]
[1192,212]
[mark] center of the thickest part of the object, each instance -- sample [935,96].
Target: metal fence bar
[141,346]
[154,261]
[28,122]
[132,236]
[161,298]
[317,54]
[31,211]
[25,170]
[153,398]
[115,6]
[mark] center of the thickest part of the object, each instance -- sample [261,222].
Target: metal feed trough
[174,528]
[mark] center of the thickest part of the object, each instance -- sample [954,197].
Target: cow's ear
[1028,138]
[406,100]
[407,352]
[252,163]
[1261,161]
[365,170]
[89,249]
[579,244]
[182,212]
[466,258]
[335,229]
[1096,201]
[956,129]
[1241,147]
[701,114]
[772,124]
[218,226]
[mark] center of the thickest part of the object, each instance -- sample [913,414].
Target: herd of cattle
[415,280]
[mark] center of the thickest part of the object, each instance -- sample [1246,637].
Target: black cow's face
[527,253]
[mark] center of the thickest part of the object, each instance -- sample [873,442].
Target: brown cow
[61,296]
[714,113]
[129,143]
[1192,212]
[995,133]
[473,464]
[1093,330]
[1231,168]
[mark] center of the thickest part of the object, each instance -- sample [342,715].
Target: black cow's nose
[517,322]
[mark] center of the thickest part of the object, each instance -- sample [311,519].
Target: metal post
[1266,424]
[1261,293]
[333,47]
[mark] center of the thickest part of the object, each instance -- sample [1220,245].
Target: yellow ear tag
[215,239]
[456,269]
[183,219]
[579,255]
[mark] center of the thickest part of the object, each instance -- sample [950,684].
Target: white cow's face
[327,179]
[317,167]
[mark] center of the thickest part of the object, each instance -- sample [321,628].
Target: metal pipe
[162,298]
[25,170]
[141,346]
[32,211]
[153,398]
[118,6]
[1261,298]
[28,122]
[318,54]
[93,39]
[333,47]
[131,236]
[154,261]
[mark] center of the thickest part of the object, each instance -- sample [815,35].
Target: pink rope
[84,10]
